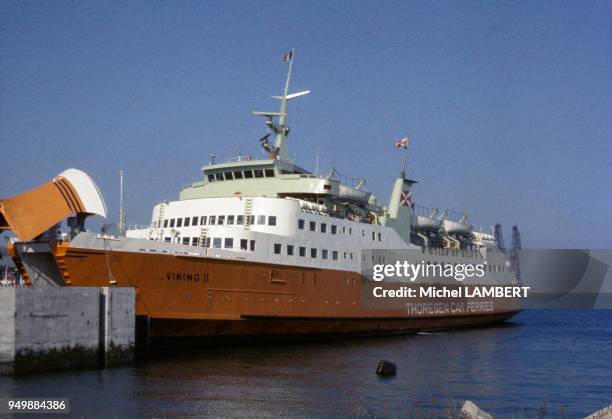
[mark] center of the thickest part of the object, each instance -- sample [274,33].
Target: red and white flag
[402,143]
[406,198]
[287,56]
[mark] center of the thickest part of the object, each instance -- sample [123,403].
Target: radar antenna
[280,128]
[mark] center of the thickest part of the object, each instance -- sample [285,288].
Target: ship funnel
[400,208]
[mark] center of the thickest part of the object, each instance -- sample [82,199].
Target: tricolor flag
[403,143]
[287,56]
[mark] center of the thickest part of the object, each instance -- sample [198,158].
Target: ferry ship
[256,247]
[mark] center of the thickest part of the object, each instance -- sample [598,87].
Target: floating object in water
[386,368]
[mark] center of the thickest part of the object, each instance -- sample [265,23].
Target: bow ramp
[32,213]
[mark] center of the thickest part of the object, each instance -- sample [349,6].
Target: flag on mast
[401,143]
[288,55]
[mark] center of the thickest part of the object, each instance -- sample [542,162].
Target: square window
[277,248]
[203,220]
[194,241]
[212,220]
[323,228]
[229,243]
[313,253]
[239,220]
[211,178]
[335,255]
[258,173]
[219,176]
[238,174]
[248,174]
[290,250]
[324,253]
[269,172]
[185,240]
[272,220]
[179,222]
[229,176]
[220,220]
[334,229]
[302,251]
[252,243]
[244,243]
[165,223]
[217,242]
[313,226]
[301,224]
[261,219]
[230,220]
[186,222]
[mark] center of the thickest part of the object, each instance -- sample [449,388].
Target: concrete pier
[55,328]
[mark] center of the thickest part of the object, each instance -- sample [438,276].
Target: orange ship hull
[192,296]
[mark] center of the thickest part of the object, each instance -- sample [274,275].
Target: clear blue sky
[507,104]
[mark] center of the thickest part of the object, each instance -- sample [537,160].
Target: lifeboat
[455,227]
[427,223]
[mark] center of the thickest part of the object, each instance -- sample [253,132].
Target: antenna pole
[121,209]
[404,160]
[281,137]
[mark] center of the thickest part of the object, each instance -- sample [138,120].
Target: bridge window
[290,250]
[269,172]
[186,222]
[244,243]
[229,243]
[302,251]
[203,220]
[211,178]
[219,176]
[238,174]
[272,220]
[323,228]
[277,248]
[301,224]
[179,222]
[217,242]
[229,176]
[248,174]
[230,220]
[258,173]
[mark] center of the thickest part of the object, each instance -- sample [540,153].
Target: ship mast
[280,128]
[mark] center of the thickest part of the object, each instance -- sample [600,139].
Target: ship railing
[239,157]
[139,226]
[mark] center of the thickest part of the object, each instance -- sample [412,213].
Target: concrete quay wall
[53,328]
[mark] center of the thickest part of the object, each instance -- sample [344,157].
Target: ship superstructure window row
[333,229]
[270,220]
[240,174]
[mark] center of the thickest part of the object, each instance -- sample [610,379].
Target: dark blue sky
[507,104]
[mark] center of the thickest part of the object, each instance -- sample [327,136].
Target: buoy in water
[386,368]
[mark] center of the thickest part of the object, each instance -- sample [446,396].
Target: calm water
[554,361]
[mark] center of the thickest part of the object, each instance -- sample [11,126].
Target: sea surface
[543,363]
